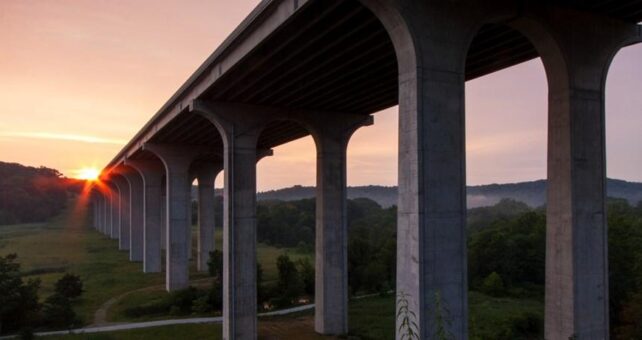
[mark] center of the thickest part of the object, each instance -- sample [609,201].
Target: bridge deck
[330,55]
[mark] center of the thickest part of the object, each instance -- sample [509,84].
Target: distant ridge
[532,193]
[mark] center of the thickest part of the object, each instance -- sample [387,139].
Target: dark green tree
[69,286]
[215,264]
[19,305]
[58,312]
[306,271]
[289,285]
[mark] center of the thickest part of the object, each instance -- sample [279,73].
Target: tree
[19,305]
[289,285]
[58,312]
[493,285]
[261,295]
[306,270]
[215,264]
[69,286]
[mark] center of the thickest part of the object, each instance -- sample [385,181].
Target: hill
[29,194]
[532,193]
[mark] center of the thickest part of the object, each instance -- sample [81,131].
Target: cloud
[64,137]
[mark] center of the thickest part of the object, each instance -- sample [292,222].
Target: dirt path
[100,317]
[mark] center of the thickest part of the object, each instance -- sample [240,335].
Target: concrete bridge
[322,67]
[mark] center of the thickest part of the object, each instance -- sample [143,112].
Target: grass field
[47,250]
[370,319]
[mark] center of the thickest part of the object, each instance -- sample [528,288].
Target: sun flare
[88,174]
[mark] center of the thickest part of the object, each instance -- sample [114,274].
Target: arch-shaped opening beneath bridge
[506,142]
[624,206]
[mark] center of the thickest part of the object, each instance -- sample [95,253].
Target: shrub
[181,301]
[58,312]
[306,271]
[215,264]
[493,285]
[69,286]
[289,285]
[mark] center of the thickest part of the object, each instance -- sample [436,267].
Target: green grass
[66,244]
[196,331]
[266,256]
[373,318]
[370,319]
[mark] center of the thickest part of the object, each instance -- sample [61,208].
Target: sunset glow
[88,174]
[78,98]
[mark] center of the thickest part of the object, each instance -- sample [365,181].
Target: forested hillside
[29,194]
[506,255]
[532,193]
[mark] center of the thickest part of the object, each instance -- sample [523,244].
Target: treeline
[506,253]
[29,194]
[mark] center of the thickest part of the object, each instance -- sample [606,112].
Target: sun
[88,174]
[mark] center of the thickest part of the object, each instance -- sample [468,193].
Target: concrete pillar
[164,219]
[576,49]
[96,207]
[206,173]
[151,172]
[106,211]
[331,133]
[94,210]
[431,40]
[177,161]
[136,212]
[190,240]
[239,214]
[114,208]
[124,215]
[101,212]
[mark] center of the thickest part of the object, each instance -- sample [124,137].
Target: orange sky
[78,78]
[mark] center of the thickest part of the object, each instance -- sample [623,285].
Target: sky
[78,78]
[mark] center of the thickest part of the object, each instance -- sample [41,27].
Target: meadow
[47,250]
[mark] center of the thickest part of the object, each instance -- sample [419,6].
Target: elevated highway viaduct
[294,68]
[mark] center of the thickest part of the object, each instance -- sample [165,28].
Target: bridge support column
[576,49]
[206,175]
[151,173]
[163,210]
[331,134]
[101,211]
[136,212]
[240,136]
[431,40]
[114,208]
[95,203]
[124,216]
[106,212]
[177,161]
[97,211]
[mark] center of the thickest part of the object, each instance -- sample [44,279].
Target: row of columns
[431,40]
[133,197]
